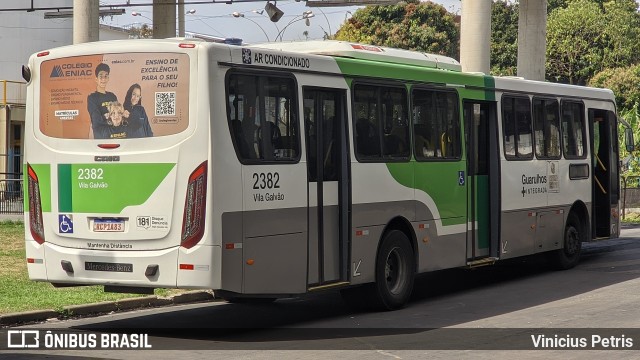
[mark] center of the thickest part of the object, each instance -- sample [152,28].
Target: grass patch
[18,293]
[631,218]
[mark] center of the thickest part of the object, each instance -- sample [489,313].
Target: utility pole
[164,19]
[85,21]
[475,35]
[532,39]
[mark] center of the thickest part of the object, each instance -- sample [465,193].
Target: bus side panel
[275,251]
[232,252]
[438,251]
[275,264]
[206,270]
[372,210]
[36,267]
[274,229]
[517,233]
[364,247]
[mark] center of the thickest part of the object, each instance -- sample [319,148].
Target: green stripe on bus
[439,180]
[109,188]
[490,85]
[65,194]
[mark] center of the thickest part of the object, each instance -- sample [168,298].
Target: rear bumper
[198,270]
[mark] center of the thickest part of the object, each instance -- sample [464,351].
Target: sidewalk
[12,217]
[8,320]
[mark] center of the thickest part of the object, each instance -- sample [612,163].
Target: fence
[11,198]
[12,92]
[630,193]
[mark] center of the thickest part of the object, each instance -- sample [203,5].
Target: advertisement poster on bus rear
[114,96]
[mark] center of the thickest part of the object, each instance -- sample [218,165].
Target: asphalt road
[484,313]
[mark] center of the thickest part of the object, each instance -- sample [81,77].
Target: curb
[28,316]
[13,319]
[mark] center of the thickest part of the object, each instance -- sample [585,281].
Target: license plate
[111,267]
[108,225]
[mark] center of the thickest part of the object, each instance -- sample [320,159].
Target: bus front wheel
[395,270]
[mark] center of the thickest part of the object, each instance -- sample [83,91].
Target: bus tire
[395,270]
[569,256]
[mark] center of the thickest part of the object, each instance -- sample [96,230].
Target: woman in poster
[137,117]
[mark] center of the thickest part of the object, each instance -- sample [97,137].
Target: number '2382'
[266,180]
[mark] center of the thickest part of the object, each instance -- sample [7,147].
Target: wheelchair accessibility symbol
[65,224]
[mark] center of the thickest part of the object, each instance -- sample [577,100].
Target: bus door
[605,181]
[483,183]
[328,195]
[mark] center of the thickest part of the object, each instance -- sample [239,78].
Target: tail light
[35,207]
[194,207]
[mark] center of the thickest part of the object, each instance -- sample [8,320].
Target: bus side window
[573,129]
[517,127]
[268,131]
[382,130]
[436,130]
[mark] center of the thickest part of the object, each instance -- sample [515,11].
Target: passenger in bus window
[134,111]
[98,101]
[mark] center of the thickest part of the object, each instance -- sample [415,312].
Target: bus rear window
[114,96]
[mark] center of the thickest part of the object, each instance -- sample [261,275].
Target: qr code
[165,103]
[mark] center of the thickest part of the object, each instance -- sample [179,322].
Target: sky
[217,19]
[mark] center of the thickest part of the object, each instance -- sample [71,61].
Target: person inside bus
[98,101]
[274,137]
[241,142]
[367,141]
[134,111]
[424,148]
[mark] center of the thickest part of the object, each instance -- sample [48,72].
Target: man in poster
[98,102]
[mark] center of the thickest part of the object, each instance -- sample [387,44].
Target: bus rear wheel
[569,256]
[395,270]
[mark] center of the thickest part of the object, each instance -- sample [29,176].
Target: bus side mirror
[628,140]
[26,73]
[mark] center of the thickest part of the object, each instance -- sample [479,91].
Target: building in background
[22,34]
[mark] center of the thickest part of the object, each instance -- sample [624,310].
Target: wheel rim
[572,241]
[395,271]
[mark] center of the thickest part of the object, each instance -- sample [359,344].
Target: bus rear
[117,166]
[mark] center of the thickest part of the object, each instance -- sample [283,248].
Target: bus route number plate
[108,225]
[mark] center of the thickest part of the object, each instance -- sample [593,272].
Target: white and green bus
[273,170]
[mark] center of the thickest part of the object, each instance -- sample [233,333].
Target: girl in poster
[137,116]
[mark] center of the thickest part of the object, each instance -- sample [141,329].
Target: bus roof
[366,52]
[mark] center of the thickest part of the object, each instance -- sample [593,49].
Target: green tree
[588,36]
[625,83]
[553,4]
[630,160]
[142,32]
[574,40]
[504,38]
[413,25]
